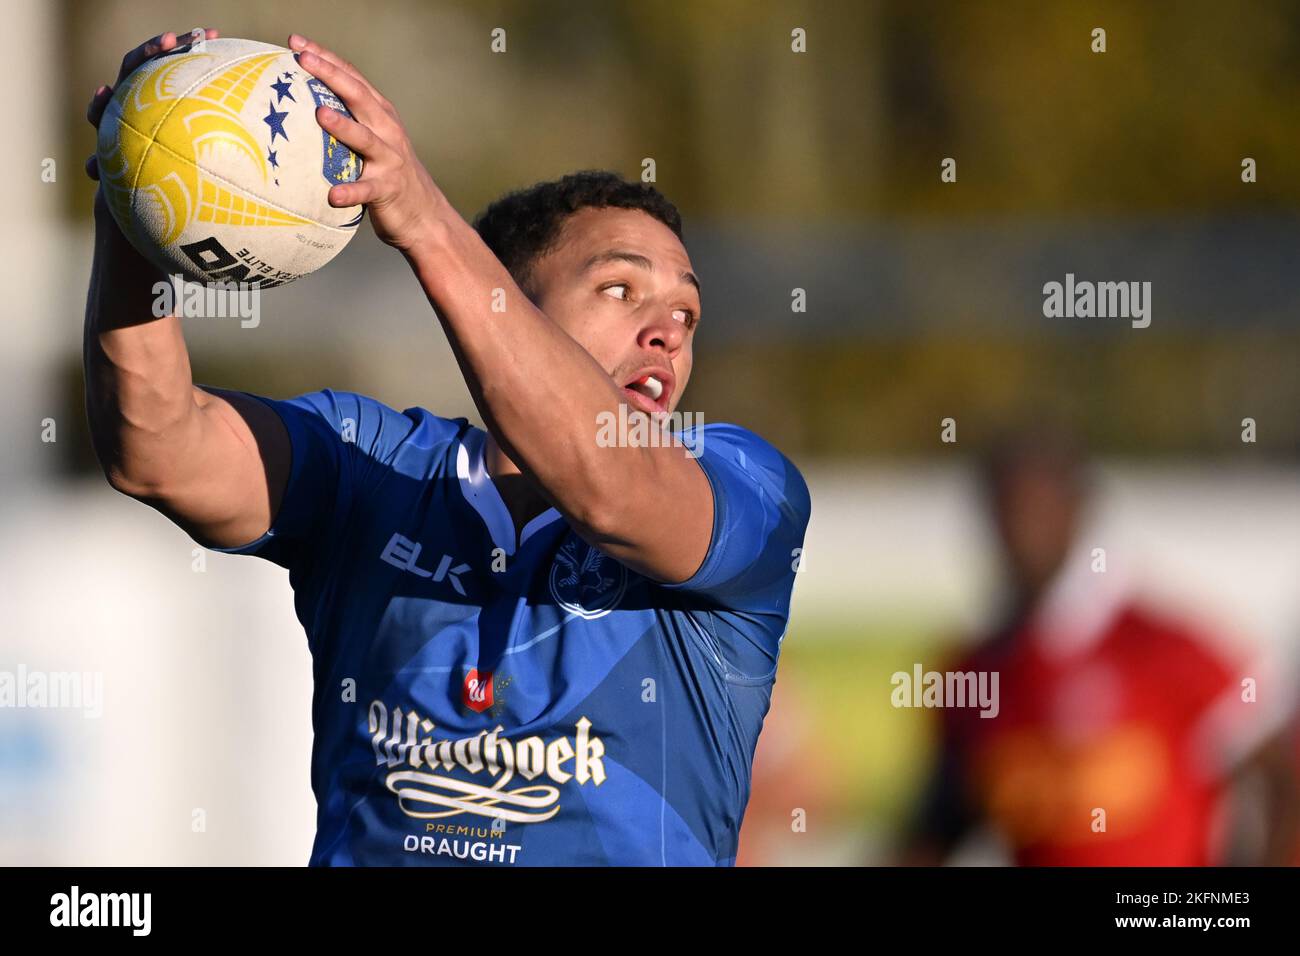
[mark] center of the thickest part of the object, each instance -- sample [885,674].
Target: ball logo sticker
[476,692]
[338,163]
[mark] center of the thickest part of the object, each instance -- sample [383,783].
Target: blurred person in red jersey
[1121,731]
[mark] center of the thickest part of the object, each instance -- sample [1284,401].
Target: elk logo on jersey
[586,582]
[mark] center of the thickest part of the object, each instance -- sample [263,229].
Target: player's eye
[685,316]
[621,285]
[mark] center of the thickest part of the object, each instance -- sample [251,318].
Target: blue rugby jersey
[529,703]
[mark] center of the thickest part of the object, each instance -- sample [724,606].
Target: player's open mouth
[650,391]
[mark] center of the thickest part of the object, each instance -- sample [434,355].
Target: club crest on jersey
[476,691]
[586,582]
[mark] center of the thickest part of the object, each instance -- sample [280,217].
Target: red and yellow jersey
[1098,756]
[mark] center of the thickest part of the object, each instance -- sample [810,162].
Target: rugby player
[530,646]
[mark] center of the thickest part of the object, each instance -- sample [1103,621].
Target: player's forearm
[538,390]
[140,397]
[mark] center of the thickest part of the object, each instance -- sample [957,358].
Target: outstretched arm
[539,391]
[215,464]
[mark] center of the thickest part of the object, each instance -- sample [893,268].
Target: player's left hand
[401,195]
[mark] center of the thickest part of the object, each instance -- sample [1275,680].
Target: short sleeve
[340,443]
[761,509]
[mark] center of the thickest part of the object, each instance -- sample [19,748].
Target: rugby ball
[214,166]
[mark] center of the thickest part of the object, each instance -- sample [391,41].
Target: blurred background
[819,171]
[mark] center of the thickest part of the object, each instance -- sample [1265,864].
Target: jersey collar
[477,487]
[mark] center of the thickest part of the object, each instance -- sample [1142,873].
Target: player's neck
[521,497]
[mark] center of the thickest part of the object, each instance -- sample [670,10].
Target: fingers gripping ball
[213,164]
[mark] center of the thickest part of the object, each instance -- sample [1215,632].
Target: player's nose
[661,330]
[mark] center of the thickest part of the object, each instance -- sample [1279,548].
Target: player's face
[619,282]
[1036,513]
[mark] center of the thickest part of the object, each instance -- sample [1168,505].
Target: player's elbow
[601,516]
[113,464]
[595,521]
[131,480]
[127,484]
[143,454]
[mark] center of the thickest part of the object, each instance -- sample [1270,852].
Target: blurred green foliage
[742,128]
[1168,396]
[745,133]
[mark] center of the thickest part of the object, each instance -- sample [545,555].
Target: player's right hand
[145,51]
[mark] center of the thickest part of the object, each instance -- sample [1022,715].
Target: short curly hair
[523,225]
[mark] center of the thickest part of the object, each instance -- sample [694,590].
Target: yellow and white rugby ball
[214,166]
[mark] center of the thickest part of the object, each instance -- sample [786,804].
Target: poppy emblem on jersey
[476,692]
[586,582]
